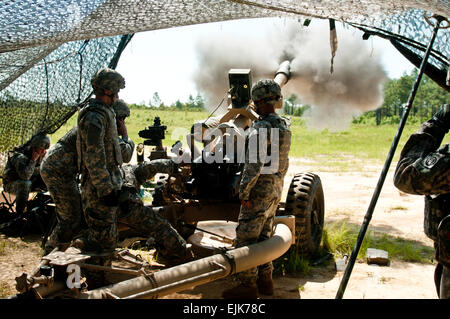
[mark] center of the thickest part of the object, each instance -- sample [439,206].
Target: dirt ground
[347,195]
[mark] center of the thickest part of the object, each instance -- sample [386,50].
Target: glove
[439,124]
[112,199]
[442,117]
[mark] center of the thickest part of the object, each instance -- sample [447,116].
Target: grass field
[348,149]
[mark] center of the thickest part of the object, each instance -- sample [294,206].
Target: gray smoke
[354,87]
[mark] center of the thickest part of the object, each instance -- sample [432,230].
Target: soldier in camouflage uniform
[424,169]
[260,190]
[21,173]
[146,220]
[59,171]
[126,144]
[99,160]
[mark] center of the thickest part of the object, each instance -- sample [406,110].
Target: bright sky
[164,61]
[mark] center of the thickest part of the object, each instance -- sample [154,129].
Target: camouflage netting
[49,49]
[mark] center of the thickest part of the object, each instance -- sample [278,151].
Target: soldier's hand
[38,153]
[112,199]
[35,156]
[247,204]
[442,117]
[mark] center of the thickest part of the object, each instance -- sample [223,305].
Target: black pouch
[435,210]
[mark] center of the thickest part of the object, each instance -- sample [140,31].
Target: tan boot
[265,284]
[241,292]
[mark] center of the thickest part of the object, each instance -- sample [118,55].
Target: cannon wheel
[306,202]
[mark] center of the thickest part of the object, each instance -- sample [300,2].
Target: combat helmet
[40,140]
[121,109]
[107,79]
[265,91]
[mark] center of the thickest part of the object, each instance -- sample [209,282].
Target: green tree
[178,105]
[156,100]
[199,101]
[289,104]
[191,102]
[428,99]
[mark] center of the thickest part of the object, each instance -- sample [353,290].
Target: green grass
[339,239]
[346,150]
[291,263]
[178,124]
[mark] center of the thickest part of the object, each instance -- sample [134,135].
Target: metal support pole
[385,169]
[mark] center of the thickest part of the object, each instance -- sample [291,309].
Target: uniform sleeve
[126,148]
[423,169]
[148,169]
[92,131]
[24,166]
[255,157]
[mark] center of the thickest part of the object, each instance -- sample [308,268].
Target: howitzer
[211,188]
[202,204]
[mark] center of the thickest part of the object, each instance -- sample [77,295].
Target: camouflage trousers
[256,224]
[146,221]
[21,188]
[101,221]
[59,172]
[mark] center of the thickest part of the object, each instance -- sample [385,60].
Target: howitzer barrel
[200,271]
[283,73]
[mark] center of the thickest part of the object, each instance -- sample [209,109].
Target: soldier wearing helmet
[261,185]
[59,171]
[21,173]
[126,144]
[424,169]
[99,159]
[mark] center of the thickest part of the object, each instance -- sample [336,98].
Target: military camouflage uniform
[126,144]
[126,148]
[424,169]
[99,160]
[146,220]
[264,192]
[21,173]
[59,171]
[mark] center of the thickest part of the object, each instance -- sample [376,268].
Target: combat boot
[265,284]
[241,291]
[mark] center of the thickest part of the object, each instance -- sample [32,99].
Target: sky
[168,61]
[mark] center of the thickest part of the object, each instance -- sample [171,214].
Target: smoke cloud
[354,87]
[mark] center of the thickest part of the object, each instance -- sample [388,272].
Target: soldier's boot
[241,291]
[265,284]
[54,241]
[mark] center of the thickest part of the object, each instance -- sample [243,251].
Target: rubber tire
[305,200]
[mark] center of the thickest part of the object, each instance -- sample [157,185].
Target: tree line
[428,99]
[196,103]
